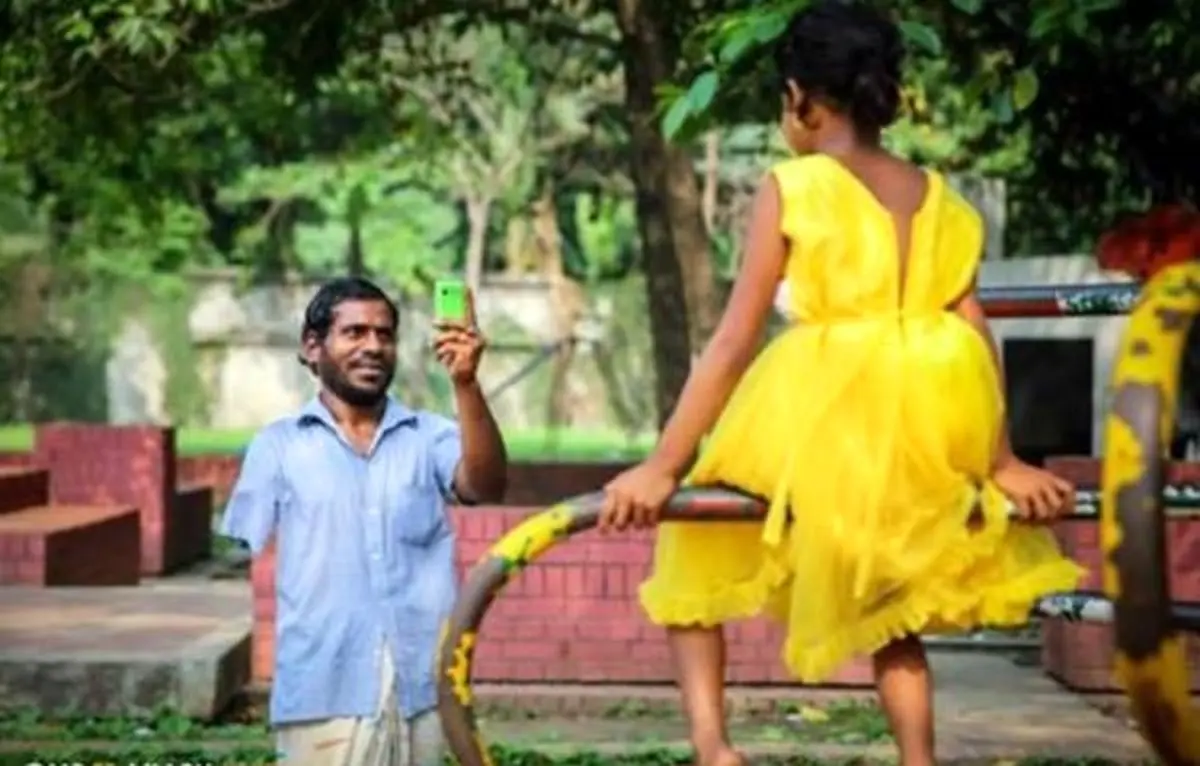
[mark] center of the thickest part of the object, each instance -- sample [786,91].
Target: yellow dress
[870,424]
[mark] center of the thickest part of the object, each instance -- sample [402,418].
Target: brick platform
[182,646]
[70,545]
[127,465]
[1081,656]
[572,617]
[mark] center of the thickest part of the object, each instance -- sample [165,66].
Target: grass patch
[571,445]
[850,728]
[29,725]
[501,756]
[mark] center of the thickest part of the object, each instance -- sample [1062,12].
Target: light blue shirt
[365,555]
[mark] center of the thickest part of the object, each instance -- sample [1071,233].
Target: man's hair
[318,315]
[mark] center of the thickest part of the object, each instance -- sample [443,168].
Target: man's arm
[253,507]
[481,475]
[470,457]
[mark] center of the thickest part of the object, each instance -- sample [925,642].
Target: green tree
[174,98]
[1088,108]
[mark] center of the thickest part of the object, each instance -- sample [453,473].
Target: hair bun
[874,100]
[848,54]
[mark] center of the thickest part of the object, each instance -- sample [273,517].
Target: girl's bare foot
[726,756]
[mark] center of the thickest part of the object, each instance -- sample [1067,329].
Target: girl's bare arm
[969,308]
[732,346]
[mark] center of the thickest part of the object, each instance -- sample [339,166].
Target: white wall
[1105,332]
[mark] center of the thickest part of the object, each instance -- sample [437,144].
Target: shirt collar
[395,415]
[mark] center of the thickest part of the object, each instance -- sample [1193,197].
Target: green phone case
[450,300]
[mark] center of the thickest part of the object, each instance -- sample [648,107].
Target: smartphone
[450,300]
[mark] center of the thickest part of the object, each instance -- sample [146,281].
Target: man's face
[357,360]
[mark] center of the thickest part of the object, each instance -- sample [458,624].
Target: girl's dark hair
[848,55]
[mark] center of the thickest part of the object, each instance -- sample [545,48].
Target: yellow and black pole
[1151,653]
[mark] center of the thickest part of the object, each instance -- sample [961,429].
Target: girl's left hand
[1040,497]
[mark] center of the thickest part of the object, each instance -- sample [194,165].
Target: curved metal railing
[537,534]
[1151,656]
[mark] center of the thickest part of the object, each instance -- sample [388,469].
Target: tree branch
[558,28]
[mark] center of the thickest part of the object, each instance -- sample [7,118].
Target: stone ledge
[125,651]
[199,683]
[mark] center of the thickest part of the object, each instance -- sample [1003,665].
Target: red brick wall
[571,617]
[126,465]
[1081,656]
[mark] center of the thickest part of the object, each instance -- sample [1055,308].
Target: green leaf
[703,89]
[1002,107]
[1047,21]
[1025,88]
[922,36]
[770,26]
[968,6]
[676,116]
[734,47]
[750,31]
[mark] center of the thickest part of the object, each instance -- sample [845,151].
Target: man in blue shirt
[354,490]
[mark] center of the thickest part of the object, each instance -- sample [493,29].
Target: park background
[177,176]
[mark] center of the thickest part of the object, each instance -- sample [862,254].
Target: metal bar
[544,354]
[537,534]
[1089,606]
[1176,497]
[1083,300]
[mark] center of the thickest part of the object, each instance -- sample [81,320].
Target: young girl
[874,425]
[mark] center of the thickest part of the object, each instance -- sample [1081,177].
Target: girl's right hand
[636,497]
[1040,497]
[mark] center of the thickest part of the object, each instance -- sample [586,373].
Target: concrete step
[124,651]
[65,545]
[22,488]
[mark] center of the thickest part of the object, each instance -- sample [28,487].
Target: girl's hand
[636,497]
[1040,497]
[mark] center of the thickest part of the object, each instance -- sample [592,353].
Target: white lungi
[387,739]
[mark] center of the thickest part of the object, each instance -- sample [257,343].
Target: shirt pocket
[417,515]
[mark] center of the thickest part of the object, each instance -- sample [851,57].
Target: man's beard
[356,396]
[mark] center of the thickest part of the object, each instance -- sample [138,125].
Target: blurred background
[177,175]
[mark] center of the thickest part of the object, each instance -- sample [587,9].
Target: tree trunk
[675,247]
[478,212]
[356,262]
[567,303]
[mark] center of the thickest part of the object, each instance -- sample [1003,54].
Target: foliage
[144,141]
[1076,103]
[141,140]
